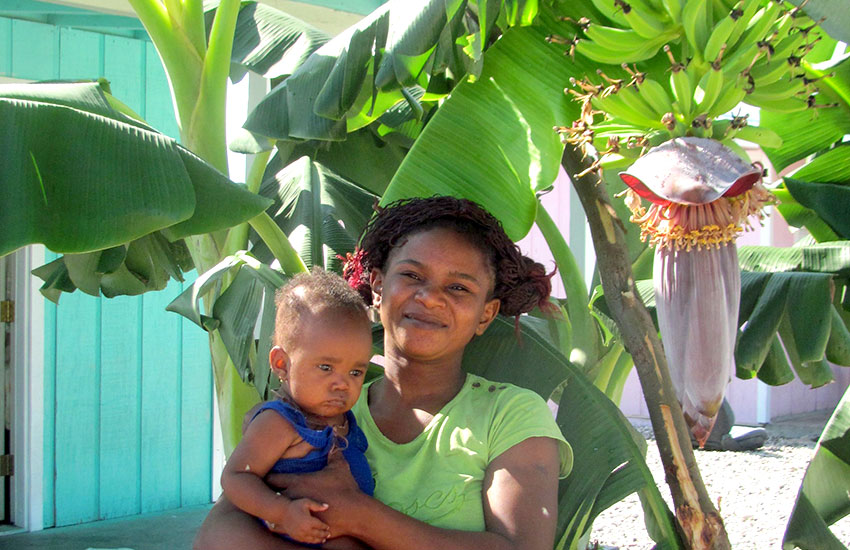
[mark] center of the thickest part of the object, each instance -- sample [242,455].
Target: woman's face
[433,295]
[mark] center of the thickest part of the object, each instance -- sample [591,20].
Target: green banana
[789,45]
[761,136]
[743,58]
[695,23]
[730,96]
[785,105]
[779,90]
[759,26]
[748,10]
[683,88]
[614,106]
[655,95]
[673,9]
[720,35]
[768,73]
[711,85]
[596,52]
[613,38]
[611,10]
[633,100]
[838,345]
[644,22]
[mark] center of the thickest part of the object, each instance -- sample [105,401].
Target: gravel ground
[754,490]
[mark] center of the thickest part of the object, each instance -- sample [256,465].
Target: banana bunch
[691,62]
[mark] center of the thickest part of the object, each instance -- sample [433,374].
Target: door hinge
[7,465]
[7,311]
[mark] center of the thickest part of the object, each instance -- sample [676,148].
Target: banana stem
[273,236]
[700,525]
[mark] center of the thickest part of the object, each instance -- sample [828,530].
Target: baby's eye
[356,373]
[325,367]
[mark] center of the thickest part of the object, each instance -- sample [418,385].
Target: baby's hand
[300,524]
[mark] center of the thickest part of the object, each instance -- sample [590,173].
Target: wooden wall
[128,386]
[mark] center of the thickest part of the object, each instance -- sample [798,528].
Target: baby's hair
[318,291]
[521,283]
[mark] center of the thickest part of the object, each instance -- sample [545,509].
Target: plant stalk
[699,523]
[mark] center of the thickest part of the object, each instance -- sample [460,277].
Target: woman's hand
[299,522]
[333,485]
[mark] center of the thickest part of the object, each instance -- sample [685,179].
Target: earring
[374,314]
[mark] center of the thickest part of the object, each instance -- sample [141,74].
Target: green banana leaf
[822,499]
[608,458]
[823,186]
[78,175]
[322,213]
[359,74]
[248,301]
[268,41]
[492,141]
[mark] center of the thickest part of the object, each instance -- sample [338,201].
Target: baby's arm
[264,442]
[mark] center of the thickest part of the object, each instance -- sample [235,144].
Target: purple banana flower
[702,194]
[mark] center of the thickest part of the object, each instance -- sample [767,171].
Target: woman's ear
[491,309]
[279,362]
[376,281]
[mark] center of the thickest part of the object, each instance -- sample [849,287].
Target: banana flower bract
[701,194]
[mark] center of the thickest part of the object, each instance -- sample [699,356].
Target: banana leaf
[246,304]
[608,463]
[823,186]
[268,41]
[493,141]
[362,71]
[322,213]
[822,499]
[81,176]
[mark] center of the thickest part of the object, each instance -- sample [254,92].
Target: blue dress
[323,441]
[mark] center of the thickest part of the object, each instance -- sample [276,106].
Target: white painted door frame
[28,392]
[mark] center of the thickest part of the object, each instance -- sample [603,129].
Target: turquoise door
[128,386]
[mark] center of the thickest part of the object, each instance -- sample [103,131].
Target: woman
[459,462]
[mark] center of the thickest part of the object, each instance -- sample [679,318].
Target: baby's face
[328,361]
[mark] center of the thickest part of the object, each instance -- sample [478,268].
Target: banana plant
[391,90]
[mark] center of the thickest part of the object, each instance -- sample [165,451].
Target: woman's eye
[411,275]
[459,288]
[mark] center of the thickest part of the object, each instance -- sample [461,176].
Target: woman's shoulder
[498,392]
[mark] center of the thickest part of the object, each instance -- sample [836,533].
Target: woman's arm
[520,493]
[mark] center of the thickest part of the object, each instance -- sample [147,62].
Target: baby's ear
[279,362]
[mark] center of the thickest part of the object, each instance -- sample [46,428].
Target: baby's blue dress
[323,441]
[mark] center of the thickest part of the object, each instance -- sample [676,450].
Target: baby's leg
[344,543]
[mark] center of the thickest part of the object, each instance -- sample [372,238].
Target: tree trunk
[700,525]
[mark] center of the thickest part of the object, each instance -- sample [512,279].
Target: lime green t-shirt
[437,478]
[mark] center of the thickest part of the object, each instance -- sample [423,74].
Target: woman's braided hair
[521,283]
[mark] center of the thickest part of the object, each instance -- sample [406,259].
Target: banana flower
[702,195]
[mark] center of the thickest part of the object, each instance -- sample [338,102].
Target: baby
[322,347]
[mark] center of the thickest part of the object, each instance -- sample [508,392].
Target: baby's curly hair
[520,282]
[316,292]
